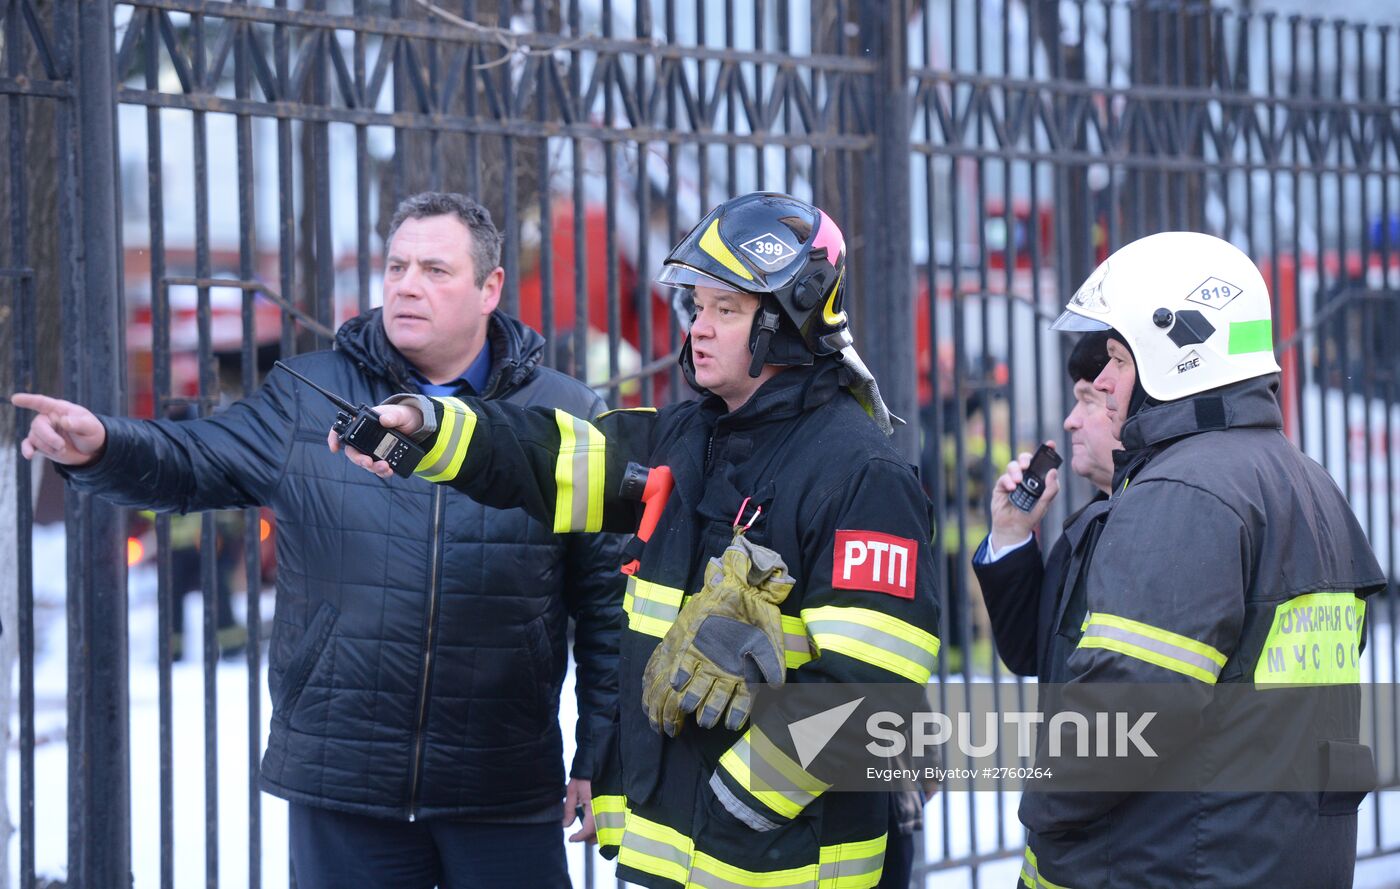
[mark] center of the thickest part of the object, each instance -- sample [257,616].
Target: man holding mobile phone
[1021,589]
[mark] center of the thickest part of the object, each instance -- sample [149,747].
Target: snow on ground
[948,832]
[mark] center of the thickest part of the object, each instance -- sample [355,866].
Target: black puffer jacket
[419,644]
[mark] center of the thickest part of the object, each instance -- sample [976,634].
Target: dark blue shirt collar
[472,381]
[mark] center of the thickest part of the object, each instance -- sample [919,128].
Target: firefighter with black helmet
[754,571]
[1220,544]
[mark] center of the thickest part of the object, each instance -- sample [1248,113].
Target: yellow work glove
[728,635]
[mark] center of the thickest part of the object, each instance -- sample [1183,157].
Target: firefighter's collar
[793,391]
[1251,403]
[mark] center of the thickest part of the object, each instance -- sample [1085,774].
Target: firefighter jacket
[1224,556]
[420,642]
[834,495]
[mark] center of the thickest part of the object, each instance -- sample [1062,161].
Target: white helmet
[1192,307]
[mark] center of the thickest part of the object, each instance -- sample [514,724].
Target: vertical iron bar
[1275,185]
[937,476]
[510,225]
[99,761]
[160,359]
[1392,432]
[320,153]
[891,332]
[1008,259]
[642,291]
[673,163]
[362,175]
[475,53]
[611,85]
[402,99]
[934,432]
[1033,247]
[785,49]
[578,353]
[209,579]
[433,75]
[252,522]
[546,206]
[286,187]
[1326,331]
[731,109]
[1300,349]
[24,349]
[760,156]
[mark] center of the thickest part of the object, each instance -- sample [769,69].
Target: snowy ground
[948,832]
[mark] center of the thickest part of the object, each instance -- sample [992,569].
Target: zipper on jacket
[419,737]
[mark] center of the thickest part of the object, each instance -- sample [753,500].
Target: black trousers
[899,860]
[334,850]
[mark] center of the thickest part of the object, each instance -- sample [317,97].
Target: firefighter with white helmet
[1221,541]
[1193,309]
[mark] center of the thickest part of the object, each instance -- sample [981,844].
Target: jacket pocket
[718,833]
[511,681]
[305,657]
[1348,774]
[540,664]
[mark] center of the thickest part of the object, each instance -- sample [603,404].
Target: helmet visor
[685,279]
[683,276]
[1072,320]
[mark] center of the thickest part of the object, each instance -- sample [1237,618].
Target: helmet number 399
[769,249]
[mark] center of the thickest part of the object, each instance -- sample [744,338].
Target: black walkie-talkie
[359,427]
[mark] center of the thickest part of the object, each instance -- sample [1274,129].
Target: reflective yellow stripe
[757,765]
[714,245]
[735,761]
[625,410]
[875,638]
[1030,874]
[651,608]
[855,865]
[444,461]
[1314,640]
[796,648]
[578,475]
[711,873]
[609,816]
[654,848]
[1168,650]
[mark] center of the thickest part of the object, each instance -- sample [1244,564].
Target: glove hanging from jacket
[729,634]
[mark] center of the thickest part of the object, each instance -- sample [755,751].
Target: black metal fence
[220,175]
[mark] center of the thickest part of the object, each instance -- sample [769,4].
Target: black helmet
[786,252]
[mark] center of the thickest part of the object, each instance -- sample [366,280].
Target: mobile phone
[1032,483]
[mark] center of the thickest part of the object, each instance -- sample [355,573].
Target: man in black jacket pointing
[419,644]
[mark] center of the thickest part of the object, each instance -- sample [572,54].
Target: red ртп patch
[869,560]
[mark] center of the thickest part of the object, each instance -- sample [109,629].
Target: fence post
[99,819]
[886,330]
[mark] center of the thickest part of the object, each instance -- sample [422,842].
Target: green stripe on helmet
[1251,336]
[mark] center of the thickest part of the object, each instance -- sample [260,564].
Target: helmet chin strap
[767,324]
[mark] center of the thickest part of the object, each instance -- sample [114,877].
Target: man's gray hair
[486,240]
